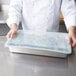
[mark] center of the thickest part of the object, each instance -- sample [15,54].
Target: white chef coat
[41,15]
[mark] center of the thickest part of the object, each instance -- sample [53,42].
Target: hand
[72,36]
[12,32]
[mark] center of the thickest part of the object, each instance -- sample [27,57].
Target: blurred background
[4,5]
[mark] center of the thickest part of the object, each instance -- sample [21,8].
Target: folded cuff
[12,20]
[70,21]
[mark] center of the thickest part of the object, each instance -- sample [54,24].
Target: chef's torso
[41,15]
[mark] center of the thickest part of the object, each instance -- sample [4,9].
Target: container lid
[49,41]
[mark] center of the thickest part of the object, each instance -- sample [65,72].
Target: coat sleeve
[14,15]
[68,9]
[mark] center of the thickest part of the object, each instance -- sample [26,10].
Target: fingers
[10,34]
[69,39]
[72,41]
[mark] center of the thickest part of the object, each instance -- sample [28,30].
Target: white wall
[4,1]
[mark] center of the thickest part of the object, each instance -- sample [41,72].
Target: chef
[42,15]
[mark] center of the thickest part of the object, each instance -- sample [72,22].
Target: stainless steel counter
[12,64]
